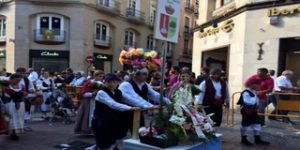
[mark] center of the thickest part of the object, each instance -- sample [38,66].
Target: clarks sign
[50,54]
[226,27]
[283,12]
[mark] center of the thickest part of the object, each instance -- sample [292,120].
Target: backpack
[241,99]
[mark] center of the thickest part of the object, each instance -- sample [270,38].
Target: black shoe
[259,141]
[14,137]
[245,141]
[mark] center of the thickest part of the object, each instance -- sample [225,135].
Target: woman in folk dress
[86,95]
[13,99]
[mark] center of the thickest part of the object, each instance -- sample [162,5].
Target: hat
[110,77]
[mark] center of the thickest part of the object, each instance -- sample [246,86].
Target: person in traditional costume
[107,123]
[86,95]
[249,102]
[14,102]
[31,93]
[214,95]
[46,85]
[137,92]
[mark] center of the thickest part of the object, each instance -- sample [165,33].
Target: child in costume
[249,110]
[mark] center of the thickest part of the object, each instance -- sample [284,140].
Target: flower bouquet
[180,122]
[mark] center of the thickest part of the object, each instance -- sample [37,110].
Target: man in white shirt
[283,84]
[214,94]
[33,75]
[79,79]
[137,92]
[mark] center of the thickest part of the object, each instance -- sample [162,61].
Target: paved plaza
[45,136]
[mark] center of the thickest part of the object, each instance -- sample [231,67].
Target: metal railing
[189,7]
[53,35]
[108,4]
[131,12]
[102,40]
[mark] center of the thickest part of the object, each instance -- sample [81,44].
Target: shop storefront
[51,60]
[103,62]
[247,39]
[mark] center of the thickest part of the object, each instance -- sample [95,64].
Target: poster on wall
[167,20]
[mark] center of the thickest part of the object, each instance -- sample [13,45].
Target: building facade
[56,34]
[182,56]
[240,36]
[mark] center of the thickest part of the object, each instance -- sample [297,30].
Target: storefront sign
[103,57]
[50,54]
[226,27]
[283,12]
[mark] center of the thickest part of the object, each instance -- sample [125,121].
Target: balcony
[128,44]
[189,7]
[108,6]
[135,15]
[102,41]
[49,36]
[2,37]
[188,31]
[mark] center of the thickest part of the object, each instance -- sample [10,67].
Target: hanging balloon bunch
[139,57]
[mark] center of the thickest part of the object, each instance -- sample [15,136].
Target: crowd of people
[107,100]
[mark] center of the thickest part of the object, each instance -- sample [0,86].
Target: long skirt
[45,107]
[3,124]
[16,121]
[83,117]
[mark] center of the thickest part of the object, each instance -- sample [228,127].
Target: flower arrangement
[181,120]
[139,57]
[48,34]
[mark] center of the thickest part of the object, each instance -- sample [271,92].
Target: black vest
[102,111]
[142,93]
[241,99]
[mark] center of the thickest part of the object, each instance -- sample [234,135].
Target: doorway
[217,58]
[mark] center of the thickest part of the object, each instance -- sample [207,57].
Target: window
[104,2]
[186,46]
[53,23]
[129,38]
[102,31]
[187,3]
[2,27]
[187,25]
[187,21]
[169,49]
[150,42]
